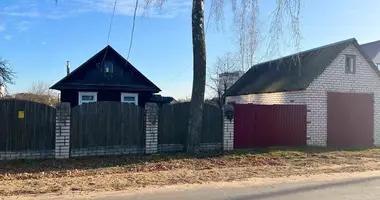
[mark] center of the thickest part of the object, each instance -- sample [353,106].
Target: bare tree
[246,32]
[221,76]
[7,76]
[40,92]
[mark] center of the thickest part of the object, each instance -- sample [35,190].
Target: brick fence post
[62,131]
[228,128]
[151,128]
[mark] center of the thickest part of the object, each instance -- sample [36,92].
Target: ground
[337,186]
[101,174]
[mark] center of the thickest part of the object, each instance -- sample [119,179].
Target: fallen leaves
[120,173]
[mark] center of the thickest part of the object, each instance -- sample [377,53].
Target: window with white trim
[129,98]
[87,97]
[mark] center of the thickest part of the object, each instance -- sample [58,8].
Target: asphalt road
[367,188]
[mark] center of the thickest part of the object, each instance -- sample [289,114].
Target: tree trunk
[199,77]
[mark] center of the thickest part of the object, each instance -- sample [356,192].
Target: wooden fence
[27,129]
[103,124]
[26,126]
[173,124]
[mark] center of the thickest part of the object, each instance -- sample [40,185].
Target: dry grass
[126,172]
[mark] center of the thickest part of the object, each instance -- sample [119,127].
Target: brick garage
[308,81]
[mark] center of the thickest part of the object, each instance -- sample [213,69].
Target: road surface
[363,188]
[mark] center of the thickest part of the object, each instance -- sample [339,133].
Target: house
[227,79]
[372,49]
[107,76]
[338,83]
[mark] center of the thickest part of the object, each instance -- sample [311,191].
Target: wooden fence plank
[102,124]
[173,124]
[33,131]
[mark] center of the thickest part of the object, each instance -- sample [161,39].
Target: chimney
[68,67]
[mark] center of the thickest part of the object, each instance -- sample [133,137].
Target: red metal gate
[269,125]
[349,119]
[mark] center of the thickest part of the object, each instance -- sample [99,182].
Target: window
[378,65]
[129,98]
[87,97]
[350,64]
[108,67]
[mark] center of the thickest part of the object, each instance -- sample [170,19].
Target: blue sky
[37,37]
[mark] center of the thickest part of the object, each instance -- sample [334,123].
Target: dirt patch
[123,173]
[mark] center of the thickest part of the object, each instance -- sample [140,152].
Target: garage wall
[334,79]
[296,97]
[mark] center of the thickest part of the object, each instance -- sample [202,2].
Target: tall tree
[7,75]
[199,77]
[245,9]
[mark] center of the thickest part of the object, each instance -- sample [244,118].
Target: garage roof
[290,73]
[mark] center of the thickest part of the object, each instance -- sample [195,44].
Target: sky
[37,37]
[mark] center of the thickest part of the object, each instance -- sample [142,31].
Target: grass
[125,172]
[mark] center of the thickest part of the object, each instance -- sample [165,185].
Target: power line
[110,29]
[109,32]
[133,28]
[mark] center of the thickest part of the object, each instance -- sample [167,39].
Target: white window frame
[135,95]
[81,94]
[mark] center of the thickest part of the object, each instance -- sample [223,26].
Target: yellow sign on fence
[21,114]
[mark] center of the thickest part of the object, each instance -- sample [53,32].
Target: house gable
[290,73]
[93,75]
[335,79]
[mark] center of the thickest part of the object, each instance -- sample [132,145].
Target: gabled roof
[68,82]
[291,73]
[371,49]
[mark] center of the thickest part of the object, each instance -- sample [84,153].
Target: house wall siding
[333,79]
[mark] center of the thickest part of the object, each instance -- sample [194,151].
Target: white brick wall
[295,97]
[228,134]
[151,128]
[333,79]
[62,131]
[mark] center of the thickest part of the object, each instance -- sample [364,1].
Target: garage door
[269,125]
[349,119]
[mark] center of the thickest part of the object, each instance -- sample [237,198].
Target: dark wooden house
[107,76]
